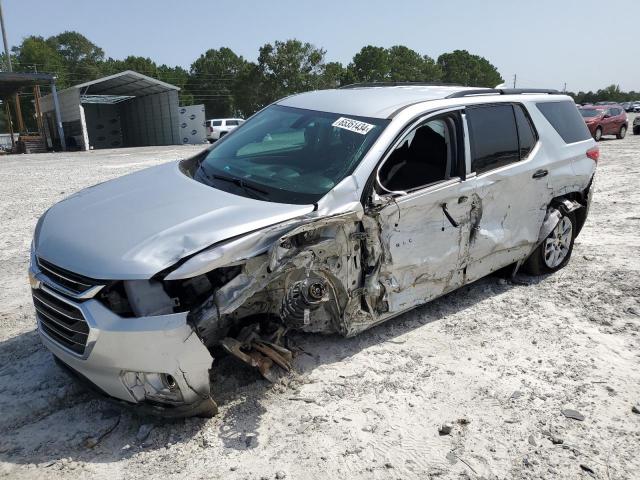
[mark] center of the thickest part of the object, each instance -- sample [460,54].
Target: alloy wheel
[557,244]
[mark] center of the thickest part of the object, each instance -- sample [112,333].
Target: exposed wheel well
[583,199]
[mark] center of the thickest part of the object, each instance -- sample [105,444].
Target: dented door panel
[509,211]
[422,248]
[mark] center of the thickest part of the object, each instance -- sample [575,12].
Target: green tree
[463,68]
[431,71]
[405,65]
[370,64]
[82,59]
[249,90]
[143,65]
[36,53]
[395,64]
[213,80]
[290,67]
[332,75]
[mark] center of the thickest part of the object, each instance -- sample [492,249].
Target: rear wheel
[555,251]
[597,135]
[636,130]
[622,132]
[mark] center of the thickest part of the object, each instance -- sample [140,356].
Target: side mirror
[607,115]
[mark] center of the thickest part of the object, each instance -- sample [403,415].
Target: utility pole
[515,78]
[564,89]
[4,39]
[9,69]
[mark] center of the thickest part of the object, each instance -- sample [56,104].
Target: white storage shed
[127,109]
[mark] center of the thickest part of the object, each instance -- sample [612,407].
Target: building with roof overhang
[127,109]
[12,86]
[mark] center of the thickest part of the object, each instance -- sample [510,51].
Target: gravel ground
[498,360]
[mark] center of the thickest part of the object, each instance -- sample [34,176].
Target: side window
[216,123]
[526,133]
[232,123]
[493,137]
[566,120]
[426,155]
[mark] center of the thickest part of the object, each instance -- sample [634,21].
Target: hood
[137,225]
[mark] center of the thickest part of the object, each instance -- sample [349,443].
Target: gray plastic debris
[570,413]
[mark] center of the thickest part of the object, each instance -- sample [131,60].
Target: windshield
[590,112]
[289,155]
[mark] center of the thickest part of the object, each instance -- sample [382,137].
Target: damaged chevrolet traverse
[328,212]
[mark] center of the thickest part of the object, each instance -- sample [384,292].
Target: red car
[605,120]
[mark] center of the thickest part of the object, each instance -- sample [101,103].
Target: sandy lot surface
[499,360]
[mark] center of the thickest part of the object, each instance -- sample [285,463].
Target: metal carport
[127,109]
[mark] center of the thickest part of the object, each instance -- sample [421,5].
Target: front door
[424,225]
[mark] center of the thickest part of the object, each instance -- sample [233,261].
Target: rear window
[566,120]
[526,133]
[493,136]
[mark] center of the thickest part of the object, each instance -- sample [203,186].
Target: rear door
[510,181]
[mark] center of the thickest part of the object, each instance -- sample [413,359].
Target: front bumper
[115,345]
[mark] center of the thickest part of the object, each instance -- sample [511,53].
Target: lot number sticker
[353,125]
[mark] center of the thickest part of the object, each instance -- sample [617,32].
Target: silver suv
[330,212]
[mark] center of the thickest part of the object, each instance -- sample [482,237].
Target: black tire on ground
[636,130]
[621,134]
[597,135]
[537,264]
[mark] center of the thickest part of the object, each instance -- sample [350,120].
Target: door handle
[449,217]
[540,174]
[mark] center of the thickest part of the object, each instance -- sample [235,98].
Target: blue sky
[544,42]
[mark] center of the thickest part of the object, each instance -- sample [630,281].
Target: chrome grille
[61,321]
[69,280]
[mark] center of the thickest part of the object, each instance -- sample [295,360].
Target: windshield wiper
[250,189]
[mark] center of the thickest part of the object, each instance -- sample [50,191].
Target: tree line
[612,93]
[230,85]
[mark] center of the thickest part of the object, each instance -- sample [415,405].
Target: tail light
[594,154]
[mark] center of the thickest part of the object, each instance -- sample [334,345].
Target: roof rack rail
[502,91]
[399,84]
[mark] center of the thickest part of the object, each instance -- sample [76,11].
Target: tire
[555,251]
[621,134]
[597,135]
[636,130]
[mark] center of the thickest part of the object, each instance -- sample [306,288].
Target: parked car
[636,107]
[327,212]
[636,125]
[217,128]
[605,120]
[628,106]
